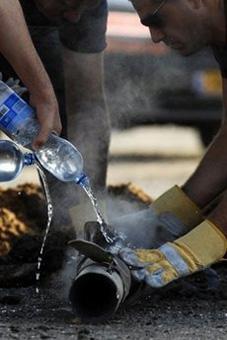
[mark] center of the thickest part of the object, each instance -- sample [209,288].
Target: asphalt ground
[155,159]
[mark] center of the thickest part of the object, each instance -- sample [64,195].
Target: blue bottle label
[13,113]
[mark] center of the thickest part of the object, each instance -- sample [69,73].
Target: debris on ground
[185,310]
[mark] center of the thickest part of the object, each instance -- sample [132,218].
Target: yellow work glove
[170,216]
[197,250]
[176,203]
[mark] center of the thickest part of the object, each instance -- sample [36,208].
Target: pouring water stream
[49,220]
[85,185]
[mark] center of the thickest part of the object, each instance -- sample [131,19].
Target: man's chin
[72,17]
[184,52]
[187,51]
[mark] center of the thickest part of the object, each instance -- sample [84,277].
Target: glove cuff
[176,202]
[202,246]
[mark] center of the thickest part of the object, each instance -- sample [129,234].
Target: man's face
[180,24]
[70,10]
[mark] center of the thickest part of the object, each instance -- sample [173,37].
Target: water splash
[115,240]
[85,185]
[49,220]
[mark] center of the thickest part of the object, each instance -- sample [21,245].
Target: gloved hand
[170,216]
[198,249]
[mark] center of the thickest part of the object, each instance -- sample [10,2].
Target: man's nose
[156,35]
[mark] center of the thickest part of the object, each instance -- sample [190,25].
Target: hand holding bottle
[46,107]
[19,121]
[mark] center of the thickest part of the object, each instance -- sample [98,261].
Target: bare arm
[210,177]
[18,49]
[89,126]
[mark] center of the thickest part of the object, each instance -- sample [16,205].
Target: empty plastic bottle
[18,121]
[12,160]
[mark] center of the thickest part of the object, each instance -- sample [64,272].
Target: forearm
[88,118]
[18,49]
[89,131]
[210,177]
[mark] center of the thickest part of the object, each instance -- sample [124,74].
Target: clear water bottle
[62,159]
[12,160]
[18,121]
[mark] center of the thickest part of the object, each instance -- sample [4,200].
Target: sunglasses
[155,19]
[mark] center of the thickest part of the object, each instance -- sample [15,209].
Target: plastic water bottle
[18,121]
[12,160]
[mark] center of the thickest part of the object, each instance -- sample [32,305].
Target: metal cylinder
[99,288]
[96,294]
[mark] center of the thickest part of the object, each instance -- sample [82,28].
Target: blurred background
[165,109]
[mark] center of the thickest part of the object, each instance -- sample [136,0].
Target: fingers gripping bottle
[18,121]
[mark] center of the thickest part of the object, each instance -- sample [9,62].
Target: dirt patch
[23,218]
[22,223]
